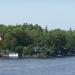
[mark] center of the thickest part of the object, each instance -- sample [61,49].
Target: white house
[13,55]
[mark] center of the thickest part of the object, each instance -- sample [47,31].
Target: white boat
[13,55]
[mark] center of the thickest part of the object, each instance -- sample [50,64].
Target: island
[28,40]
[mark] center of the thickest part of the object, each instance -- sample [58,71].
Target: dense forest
[29,39]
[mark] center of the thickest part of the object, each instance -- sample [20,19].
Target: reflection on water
[58,66]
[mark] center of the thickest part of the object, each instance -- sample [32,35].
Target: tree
[19,50]
[22,37]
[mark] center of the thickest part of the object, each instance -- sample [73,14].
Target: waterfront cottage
[36,50]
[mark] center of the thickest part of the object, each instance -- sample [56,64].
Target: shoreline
[35,57]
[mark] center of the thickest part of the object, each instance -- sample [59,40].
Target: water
[56,66]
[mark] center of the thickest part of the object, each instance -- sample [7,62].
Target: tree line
[29,39]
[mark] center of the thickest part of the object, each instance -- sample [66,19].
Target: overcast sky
[53,13]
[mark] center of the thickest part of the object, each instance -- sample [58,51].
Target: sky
[51,13]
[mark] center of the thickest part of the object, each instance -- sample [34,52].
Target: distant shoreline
[44,57]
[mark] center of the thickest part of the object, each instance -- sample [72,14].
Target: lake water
[55,66]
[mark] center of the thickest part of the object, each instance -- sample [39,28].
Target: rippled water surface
[55,66]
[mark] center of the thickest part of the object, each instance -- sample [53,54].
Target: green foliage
[19,50]
[23,38]
[28,50]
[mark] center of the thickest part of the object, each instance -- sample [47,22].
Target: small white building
[13,55]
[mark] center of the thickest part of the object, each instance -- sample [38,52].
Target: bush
[19,50]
